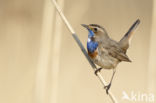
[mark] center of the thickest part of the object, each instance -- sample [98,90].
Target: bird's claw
[107,87]
[97,70]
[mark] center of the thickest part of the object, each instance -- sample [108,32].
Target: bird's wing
[115,51]
[124,42]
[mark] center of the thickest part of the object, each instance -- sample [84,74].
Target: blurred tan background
[41,63]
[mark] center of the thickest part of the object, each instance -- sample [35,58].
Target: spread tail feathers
[124,42]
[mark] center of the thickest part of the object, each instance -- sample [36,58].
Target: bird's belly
[103,59]
[106,62]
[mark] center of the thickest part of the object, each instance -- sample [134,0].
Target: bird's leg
[109,85]
[97,70]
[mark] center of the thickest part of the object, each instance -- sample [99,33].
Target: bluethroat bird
[106,52]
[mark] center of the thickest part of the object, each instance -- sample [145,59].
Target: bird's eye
[95,29]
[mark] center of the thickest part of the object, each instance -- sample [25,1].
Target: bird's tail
[124,42]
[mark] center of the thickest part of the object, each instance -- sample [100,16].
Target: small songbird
[104,51]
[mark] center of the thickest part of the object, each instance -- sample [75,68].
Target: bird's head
[96,32]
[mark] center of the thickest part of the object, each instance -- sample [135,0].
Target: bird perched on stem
[104,51]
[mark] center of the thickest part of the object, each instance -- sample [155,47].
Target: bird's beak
[86,26]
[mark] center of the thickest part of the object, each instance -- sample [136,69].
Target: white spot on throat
[88,40]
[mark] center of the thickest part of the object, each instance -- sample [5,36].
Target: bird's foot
[97,70]
[107,87]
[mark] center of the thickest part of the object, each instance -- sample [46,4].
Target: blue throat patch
[91,33]
[91,45]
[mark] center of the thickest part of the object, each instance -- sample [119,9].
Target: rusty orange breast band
[93,54]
